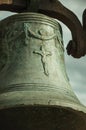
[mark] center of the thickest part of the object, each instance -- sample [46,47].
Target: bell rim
[5,99]
[76,107]
[18,102]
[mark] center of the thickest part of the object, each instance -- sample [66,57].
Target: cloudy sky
[76,68]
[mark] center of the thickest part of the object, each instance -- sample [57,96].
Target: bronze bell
[35,93]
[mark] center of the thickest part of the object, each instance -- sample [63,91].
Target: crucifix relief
[43,53]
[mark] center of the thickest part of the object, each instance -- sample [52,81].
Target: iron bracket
[76,46]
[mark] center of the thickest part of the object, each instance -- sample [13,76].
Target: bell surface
[35,93]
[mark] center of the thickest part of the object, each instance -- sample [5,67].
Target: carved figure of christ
[43,53]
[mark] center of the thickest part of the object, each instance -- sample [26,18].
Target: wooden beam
[6,2]
[13,5]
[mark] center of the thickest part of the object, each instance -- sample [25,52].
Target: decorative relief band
[41,33]
[18,34]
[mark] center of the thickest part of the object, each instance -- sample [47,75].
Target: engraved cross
[44,55]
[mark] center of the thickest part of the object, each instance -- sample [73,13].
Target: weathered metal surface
[53,8]
[34,89]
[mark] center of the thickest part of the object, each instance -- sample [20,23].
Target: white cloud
[76,68]
[5,14]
